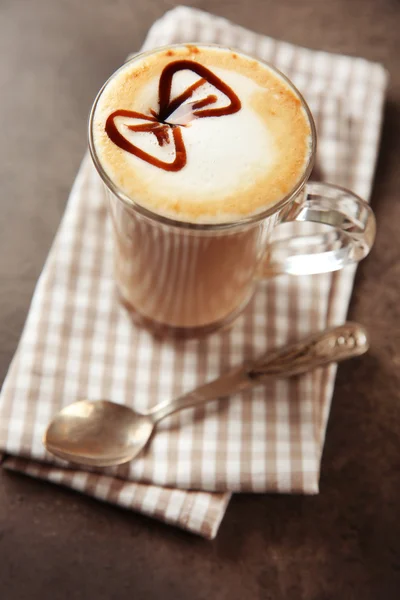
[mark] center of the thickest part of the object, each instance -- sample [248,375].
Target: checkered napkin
[79,343]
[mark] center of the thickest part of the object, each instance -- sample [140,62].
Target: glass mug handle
[348,239]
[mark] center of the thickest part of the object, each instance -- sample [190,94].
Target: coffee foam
[237,164]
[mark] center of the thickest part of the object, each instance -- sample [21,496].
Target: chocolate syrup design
[157,122]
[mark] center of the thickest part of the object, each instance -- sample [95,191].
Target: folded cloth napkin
[79,343]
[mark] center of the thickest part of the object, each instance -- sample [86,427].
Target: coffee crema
[201,134]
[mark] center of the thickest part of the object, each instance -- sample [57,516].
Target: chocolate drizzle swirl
[157,122]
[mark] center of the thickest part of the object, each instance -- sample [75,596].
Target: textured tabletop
[344,543]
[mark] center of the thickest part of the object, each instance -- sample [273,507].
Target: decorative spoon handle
[332,345]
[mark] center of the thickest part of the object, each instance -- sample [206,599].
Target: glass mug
[184,279]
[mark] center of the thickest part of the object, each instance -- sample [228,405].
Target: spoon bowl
[98,433]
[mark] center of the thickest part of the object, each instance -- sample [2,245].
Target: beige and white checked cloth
[78,342]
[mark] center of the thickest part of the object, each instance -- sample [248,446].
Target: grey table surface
[344,543]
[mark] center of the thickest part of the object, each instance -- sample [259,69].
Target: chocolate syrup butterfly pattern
[156,123]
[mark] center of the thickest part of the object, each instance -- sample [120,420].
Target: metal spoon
[101,433]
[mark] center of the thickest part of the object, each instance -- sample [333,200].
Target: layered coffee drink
[196,144]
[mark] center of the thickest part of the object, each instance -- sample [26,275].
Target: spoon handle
[318,349]
[329,346]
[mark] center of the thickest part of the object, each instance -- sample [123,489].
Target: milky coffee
[200,135]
